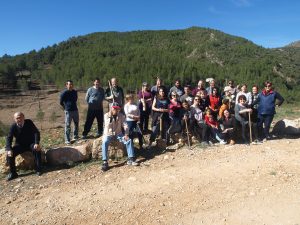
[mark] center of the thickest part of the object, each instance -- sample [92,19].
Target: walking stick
[250,127]
[161,126]
[111,92]
[144,104]
[187,133]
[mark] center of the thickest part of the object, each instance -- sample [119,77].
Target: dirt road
[257,184]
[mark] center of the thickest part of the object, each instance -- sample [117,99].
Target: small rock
[8,202]
[166,157]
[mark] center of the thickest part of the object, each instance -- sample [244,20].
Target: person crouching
[115,127]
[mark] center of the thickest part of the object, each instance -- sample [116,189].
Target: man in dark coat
[27,138]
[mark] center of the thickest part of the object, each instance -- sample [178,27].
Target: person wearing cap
[145,105]
[27,138]
[267,100]
[115,127]
[231,98]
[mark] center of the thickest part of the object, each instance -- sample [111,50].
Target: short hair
[69,81]
[96,78]
[242,97]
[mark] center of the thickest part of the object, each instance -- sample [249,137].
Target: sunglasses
[196,99]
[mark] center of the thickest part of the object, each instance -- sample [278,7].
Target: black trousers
[18,149]
[90,116]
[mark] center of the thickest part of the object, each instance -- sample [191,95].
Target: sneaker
[67,142]
[76,137]
[222,142]
[210,143]
[104,166]
[11,176]
[131,162]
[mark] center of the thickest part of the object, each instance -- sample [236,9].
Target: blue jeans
[265,120]
[69,116]
[106,141]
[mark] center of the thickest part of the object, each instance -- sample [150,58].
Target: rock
[116,149]
[289,127]
[24,161]
[96,149]
[65,155]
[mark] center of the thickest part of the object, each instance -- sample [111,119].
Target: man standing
[27,138]
[115,93]
[176,88]
[68,100]
[115,127]
[94,97]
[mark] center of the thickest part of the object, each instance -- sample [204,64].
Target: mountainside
[295,44]
[139,56]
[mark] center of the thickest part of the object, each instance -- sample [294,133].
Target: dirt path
[239,184]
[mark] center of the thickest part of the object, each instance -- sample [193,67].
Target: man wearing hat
[115,127]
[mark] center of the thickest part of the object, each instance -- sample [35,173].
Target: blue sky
[33,24]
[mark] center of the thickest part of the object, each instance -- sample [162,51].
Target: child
[213,127]
[132,113]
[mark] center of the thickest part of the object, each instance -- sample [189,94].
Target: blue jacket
[267,102]
[68,100]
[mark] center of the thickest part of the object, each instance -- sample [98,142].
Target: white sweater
[130,111]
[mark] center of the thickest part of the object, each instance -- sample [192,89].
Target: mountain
[137,56]
[295,44]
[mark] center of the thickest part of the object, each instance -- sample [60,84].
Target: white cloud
[215,11]
[241,3]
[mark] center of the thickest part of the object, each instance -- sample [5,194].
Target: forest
[133,57]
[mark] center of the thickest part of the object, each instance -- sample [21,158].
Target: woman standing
[145,104]
[174,115]
[160,109]
[266,109]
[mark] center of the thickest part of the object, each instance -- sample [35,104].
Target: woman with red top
[174,115]
[145,104]
[214,102]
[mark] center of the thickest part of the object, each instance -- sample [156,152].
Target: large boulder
[69,154]
[116,150]
[288,127]
[24,161]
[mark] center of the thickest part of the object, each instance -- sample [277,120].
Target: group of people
[210,114]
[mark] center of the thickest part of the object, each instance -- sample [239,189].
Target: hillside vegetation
[139,56]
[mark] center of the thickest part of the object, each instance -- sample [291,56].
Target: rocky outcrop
[68,154]
[288,127]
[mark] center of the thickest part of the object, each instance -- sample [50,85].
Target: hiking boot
[104,166]
[132,162]
[11,176]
